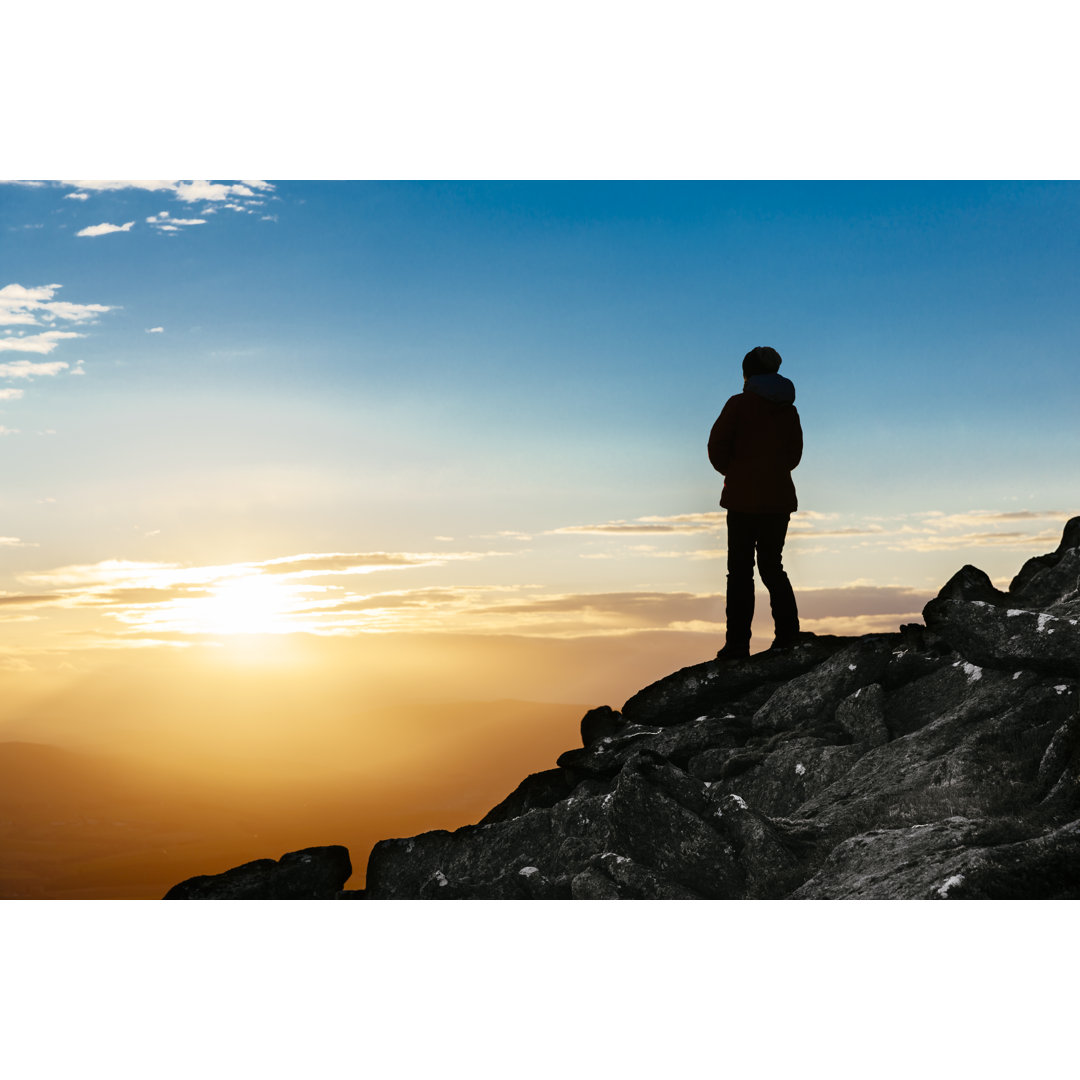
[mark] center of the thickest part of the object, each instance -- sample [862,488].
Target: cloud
[973,518]
[27,369]
[104,229]
[110,572]
[140,597]
[123,573]
[8,431]
[687,523]
[207,191]
[361,563]
[37,343]
[121,185]
[930,542]
[267,596]
[156,330]
[27,600]
[170,224]
[34,306]
[244,197]
[11,394]
[20,306]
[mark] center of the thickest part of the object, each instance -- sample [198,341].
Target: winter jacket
[756,441]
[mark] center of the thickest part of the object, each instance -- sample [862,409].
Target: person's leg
[772,532]
[740,580]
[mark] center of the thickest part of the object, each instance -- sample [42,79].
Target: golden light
[245,605]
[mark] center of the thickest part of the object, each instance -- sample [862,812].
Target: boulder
[315,873]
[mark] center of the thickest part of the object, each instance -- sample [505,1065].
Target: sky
[349,409]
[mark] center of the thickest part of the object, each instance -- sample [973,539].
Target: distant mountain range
[125,820]
[939,762]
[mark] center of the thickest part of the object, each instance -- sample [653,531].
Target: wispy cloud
[676,523]
[276,596]
[27,369]
[26,599]
[245,193]
[36,343]
[35,306]
[81,196]
[923,532]
[104,229]
[166,223]
[156,330]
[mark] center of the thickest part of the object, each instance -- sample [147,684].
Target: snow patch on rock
[972,671]
[950,883]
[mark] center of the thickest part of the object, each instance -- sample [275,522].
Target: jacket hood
[772,387]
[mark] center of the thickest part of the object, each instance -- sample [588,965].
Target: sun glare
[246,605]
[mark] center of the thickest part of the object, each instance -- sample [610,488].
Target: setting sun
[246,605]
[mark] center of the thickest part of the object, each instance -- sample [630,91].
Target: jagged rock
[536,791]
[708,688]
[953,859]
[1048,580]
[789,773]
[600,723]
[769,858]
[1036,624]
[915,862]
[1041,868]
[810,700]
[941,762]
[993,636]
[862,715]
[316,873]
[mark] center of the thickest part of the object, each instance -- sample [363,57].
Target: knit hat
[760,361]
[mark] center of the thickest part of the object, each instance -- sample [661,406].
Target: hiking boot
[787,642]
[734,652]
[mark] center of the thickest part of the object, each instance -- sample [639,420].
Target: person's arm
[795,443]
[722,438]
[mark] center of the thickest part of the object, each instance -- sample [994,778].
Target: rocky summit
[939,762]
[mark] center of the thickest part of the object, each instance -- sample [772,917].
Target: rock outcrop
[317,873]
[939,762]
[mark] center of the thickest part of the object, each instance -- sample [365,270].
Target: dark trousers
[765,534]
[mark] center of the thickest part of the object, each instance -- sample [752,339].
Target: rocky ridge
[939,762]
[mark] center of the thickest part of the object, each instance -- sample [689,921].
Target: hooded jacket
[756,441]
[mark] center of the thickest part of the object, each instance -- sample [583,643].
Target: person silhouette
[755,443]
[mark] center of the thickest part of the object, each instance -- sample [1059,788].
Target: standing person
[756,442]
